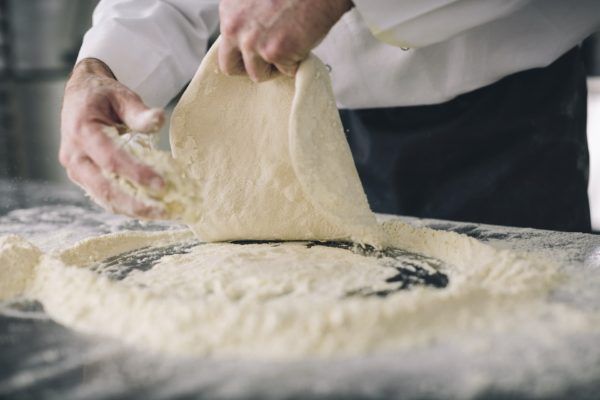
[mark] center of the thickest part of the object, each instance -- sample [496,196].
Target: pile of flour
[281,300]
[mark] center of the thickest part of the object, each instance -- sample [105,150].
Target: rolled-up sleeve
[420,23]
[152,46]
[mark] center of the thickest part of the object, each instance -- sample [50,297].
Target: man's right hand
[93,100]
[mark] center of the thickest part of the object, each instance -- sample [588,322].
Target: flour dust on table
[168,292]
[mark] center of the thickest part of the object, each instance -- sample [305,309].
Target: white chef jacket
[155,46]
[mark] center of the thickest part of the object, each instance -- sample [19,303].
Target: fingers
[259,64]
[84,172]
[278,34]
[258,70]
[92,103]
[279,52]
[230,58]
[106,154]
[135,114]
[236,61]
[286,69]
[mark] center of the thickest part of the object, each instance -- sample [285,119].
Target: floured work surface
[166,292]
[539,353]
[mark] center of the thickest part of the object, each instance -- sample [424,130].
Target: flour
[18,259]
[289,300]
[179,200]
[540,350]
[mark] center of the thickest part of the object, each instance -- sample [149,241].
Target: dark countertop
[41,359]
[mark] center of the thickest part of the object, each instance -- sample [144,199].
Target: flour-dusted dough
[18,260]
[270,160]
[179,200]
[286,300]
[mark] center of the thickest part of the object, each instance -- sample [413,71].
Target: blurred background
[39,41]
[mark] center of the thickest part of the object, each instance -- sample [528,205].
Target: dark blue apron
[512,153]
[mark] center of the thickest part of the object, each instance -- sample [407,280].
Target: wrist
[92,66]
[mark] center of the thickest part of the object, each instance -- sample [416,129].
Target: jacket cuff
[138,64]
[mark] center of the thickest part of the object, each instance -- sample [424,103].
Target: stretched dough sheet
[270,160]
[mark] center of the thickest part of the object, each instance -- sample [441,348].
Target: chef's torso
[154,47]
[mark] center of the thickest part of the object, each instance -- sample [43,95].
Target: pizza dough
[167,292]
[271,160]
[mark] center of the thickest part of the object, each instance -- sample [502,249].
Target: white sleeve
[152,46]
[420,23]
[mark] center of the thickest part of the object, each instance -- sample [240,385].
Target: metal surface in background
[39,42]
[46,34]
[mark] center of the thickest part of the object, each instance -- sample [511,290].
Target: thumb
[287,69]
[136,115]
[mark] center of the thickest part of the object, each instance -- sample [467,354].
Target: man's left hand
[259,36]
